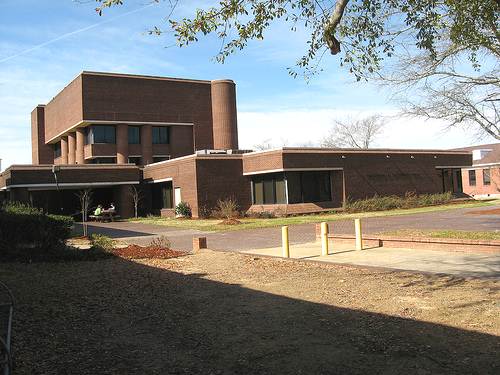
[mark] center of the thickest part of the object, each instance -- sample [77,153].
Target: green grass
[456,234]
[252,223]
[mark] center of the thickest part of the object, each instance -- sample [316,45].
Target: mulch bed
[493,211]
[146,252]
[230,222]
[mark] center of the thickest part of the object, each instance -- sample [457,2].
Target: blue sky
[45,43]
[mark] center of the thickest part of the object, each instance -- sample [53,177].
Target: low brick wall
[426,243]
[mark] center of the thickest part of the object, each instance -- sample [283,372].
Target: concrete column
[122,144]
[80,146]
[64,150]
[147,144]
[71,148]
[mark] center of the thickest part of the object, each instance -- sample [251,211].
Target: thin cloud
[73,33]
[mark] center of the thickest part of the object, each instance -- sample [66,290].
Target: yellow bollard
[359,238]
[284,242]
[324,238]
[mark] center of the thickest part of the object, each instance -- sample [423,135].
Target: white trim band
[292,170]
[71,184]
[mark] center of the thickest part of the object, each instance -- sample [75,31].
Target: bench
[104,217]
[6,314]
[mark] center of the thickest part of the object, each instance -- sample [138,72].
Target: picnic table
[105,216]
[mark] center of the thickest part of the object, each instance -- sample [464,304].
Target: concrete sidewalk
[432,261]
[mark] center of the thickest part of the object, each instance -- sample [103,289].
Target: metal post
[284,242]
[324,238]
[359,238]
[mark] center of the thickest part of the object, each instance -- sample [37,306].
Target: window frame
[488,180]
[138,130]
[472,177]
[57,150]
[159,140]
[91,135]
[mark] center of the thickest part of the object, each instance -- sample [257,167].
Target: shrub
[23,226]
[410,200]
[183,209]
[102,242]
[226,209]
[261,215]
[161,242]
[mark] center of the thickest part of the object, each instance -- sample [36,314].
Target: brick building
[177,140]
[482,179]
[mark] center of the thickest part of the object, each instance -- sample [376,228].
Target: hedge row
[410,200]
[26,227]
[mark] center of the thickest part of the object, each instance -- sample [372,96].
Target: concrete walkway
[432,261]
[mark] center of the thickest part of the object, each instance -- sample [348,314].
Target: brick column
[71,148]
[80,146]
[122,144]
[64,150]
[147,144]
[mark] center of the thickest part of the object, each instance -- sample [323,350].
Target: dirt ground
[229,313]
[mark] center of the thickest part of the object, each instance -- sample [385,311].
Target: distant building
[178,140]
[482,179]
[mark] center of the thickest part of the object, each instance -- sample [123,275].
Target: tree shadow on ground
[121,317]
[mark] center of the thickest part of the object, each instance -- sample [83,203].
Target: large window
[269,189]
[134,160]
[157,159]
[101,134]
[486,176]
[103,160]
[309,187]
[303,187]
[162,195]
[134,135]
[160,134]
[57,150]
[472,177]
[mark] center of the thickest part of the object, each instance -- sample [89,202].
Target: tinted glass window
[134,135]
[258,192]
[486,177]
[134,160]
[160,135]
[57,149]
[101,134]
[472,178]
[103,160]
[269,189]
[157,159]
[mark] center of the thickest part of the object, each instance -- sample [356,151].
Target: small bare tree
[137,197]
[355,133]
[85,197]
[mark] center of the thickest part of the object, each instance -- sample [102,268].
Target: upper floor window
[57,150]
[134,135]
[472,177]
[101,134]
[160,134]
[486,176]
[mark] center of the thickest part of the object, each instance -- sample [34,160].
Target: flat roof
[360,151]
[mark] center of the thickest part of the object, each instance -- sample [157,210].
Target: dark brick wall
[127,98]
[222,178]
[76,174]
[40,152]
[183,174]
[65,110]
[367,173]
